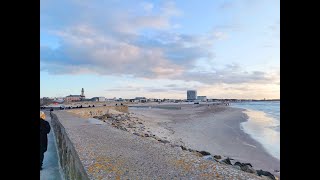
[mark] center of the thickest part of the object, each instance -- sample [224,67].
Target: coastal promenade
[91,149]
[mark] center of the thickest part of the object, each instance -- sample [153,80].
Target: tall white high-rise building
[191,95]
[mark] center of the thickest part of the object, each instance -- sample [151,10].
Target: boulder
[247,168]
[204,153]
[163,141]
[238,164]
[227,161]
[209,157]
[217,156]
[183,148]
[265,173]
[191,150]
[237,167]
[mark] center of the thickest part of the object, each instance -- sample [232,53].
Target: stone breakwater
[105,152]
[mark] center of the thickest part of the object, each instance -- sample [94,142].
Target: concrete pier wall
[96,150]
[69,159]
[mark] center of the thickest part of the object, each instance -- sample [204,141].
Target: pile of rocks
[126,122]
[247,167]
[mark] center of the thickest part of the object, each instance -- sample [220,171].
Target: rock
[242,164]
[237,167]
[208,157]
[265,177]
[217,156]
[249,169]
[191,150]
[123,128]
[238,164]
[174,145]
[146,135]
[265,173]
[204,153]
[227,161]
[137,134]
[183,148]
[163,141]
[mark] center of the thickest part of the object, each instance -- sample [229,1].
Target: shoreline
[215,129]
[210,131]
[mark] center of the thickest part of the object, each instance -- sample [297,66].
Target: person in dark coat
[44,130]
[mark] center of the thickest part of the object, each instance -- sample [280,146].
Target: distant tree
[45,101]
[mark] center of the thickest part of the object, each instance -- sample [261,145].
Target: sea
[263,124]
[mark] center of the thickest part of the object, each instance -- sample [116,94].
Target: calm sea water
[263,124]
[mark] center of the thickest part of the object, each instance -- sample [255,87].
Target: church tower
[82,92]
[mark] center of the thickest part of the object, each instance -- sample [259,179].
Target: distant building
[140,99]
[191,95]
[100,99]
[72,98]
[202,98]
[94,99]
[82,92]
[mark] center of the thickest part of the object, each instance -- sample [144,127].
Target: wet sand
[215,129]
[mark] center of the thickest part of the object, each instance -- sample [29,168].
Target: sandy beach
[215,129]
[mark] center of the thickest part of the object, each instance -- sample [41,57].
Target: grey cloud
[171,85]
[231,74]
[122,89]
[166,89]
[157,90]
[181,49]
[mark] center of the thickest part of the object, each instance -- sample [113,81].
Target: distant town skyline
[160,49]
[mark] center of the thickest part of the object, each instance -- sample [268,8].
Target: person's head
[42,115]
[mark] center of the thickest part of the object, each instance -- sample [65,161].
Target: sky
[160,49]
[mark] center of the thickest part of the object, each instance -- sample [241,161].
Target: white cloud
[220,35]
[147,6]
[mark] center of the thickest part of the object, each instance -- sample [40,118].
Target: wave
[264,129]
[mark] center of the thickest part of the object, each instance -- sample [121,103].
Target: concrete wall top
[110,153]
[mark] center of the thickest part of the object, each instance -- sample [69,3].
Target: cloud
[220,35]
[96,39]
[171,85]
[84,49]
[147,6]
